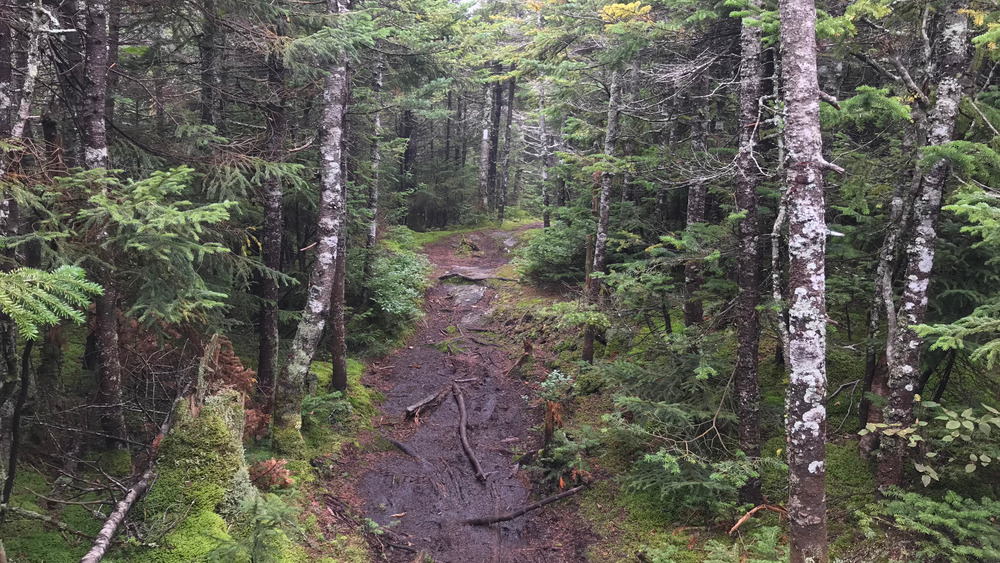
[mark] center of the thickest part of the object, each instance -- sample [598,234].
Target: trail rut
[421,498]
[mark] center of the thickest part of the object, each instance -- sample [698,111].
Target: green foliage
[35,299]
[951,529]
[264,538]
[764,545]
[686,484]
[564,460]
[559,253]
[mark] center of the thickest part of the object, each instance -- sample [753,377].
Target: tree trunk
[96,156]
[505,169]
[807,286]
[484,151]
[747,180]
[496,107]
[546,157]
[6,78]
[289,390]
[904,359]
[694,311]
[338,330]
[373,185]
[274,149]
[604,209]
[208,54]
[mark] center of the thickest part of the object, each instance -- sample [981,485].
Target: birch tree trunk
[806,422]
[905,352]
[505,167]
[338,330]
[496,108]
[273,223]
[290,386]
[604,209]
[376,157]
[484,150]
[748,177]
[546,157]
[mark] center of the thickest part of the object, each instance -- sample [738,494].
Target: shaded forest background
[213,212]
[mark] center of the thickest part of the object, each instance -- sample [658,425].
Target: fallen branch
[103,539]
[433,399]
[50,520]
[521,512]
[780,510]
[463,418]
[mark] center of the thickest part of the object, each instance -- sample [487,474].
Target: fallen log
[107,532]
[463,419]
[433,399]
[521,512]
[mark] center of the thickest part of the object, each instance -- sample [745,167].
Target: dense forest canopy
[728,270]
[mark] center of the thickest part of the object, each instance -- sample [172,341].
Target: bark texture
[505,167]
[271,246]
[603,209]
[748,177]
[694,310]
[807,285]
[904,354]
[290,386]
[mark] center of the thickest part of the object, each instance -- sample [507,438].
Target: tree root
[521,512]
[463,418]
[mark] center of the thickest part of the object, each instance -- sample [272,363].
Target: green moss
[117,462]
[192,541]
[30,541]
[628,523]
[288,443]
[200,458]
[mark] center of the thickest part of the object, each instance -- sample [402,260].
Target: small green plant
[330,408]
[563,461]
[266,538]
[954,529]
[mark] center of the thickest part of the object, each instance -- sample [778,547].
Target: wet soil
[421,499]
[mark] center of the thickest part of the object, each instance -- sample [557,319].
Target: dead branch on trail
[463,418]
[431,400]
[521,512]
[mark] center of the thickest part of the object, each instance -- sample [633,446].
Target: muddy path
[421,500]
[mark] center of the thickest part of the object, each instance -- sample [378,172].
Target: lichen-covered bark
[747,179]
[496,108]
[546,157]
[6,78]
[95,86]
[290,388]
[376,158]
[806,423]
[484,150]
[505,167]
[604,208]
[905,352]
[271,243]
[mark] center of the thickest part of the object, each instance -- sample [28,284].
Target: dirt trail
[422,503]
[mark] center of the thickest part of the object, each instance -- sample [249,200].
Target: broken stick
[463,418]
[432,399]
[505,517]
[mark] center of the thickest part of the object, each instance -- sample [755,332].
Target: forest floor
[417,502]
